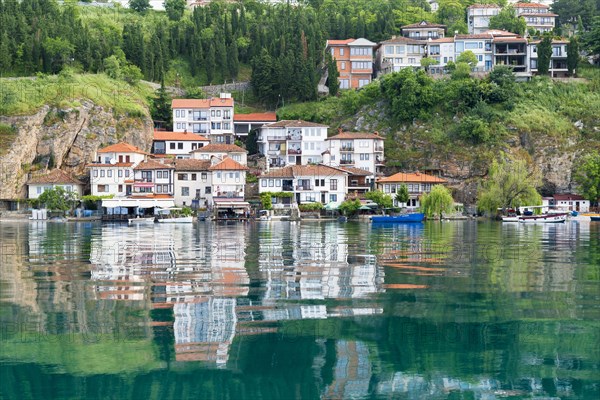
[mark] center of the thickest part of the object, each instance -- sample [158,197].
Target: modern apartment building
[212,117]
[354,58]
[478,17]
[400,52]
[423,30]
[536,15]
[558,60]
[177,144]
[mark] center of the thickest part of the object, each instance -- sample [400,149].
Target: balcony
[144,180]
[379,149]
[346,162]
[347,148]
[230,195]
[287,188]
[379,161]
[303,187]
[276,138]
[294,151]
[295,138]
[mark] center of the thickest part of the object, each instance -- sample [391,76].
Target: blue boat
[414,217]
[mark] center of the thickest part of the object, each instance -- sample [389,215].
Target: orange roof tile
[532,5]
[411,177]
[268,116]
[191,164]
[228,164]
[354,135]
[151,164]
[179,136]
[202,103]
[104,165]
[220,148]
[54,176]
[121,147]
[336,42]
[304,170]
[294,123]
[423,24]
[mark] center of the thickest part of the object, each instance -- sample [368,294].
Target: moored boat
[544,218]
[595,218]
[141,220]
[413,217]
[176,220]
[514,218]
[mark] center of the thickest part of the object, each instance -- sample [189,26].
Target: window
[203,176]
[182,177]
[120,188]
[363,82]
[102,173]
[333,197]
[185,191]
[39,190]
[344,84]
[263,183]
[179,146]
[364,156]
[471,45]
[333,184]
[95,173]
[360,51]
[158,174]
[215,125]
[480,58]
[193,177]
[412,61]
[399,49]
[120,173]
[102,188]
[158,188]
[226,114]
[533,63]
[343,65]
[126,173]
[212,113]
[226,125]
[341,51]
[172,146]
[208,190]
[177,113]
[109,173]
[361,65]
[271,183]
[277,182]
[389,49]
[220,139]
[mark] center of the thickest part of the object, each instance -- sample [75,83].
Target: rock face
[67,139]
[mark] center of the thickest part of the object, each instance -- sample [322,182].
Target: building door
[322,198]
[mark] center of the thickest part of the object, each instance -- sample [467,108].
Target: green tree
[587,176]
[112,67]
[510,183]
[58,51]
[233,62]
[507,20]
[437,202]
[573,55]
[265,200]
[502,85]
[427,62]
[410,94]
[350,207]
[402,195]
[467,57]
[210,63]
[591,39]
[461,70]
[131,74]
[139,5]
[332,76]
[161,107]
[544,52]
[58,199]
[382,200]
[174,9]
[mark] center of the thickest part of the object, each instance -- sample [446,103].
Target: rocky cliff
[64,138]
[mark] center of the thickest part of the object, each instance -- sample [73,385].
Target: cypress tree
[332,76]
[544,51]
[209,64]
[232,60]
[572,55]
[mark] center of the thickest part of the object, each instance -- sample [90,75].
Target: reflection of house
[179,144]
[292,142]
[352,371]
[243,124]
[354,59]
[53,179]
[357,149]
[416,183]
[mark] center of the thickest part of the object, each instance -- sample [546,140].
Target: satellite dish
[112,161]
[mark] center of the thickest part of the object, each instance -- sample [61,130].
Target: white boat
[141,220]
[543,218]
[510,219]
[176,220]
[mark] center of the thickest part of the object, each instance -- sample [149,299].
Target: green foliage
[587,176]
[410,93]
[90,202]
[544,51]
[510,183]
[591,38]
[461,70]
[350,207]
[58,51]
[139,5]
[437,202]
[583,11]
[161,107]
[58,199]
[381,199]
[474,129]
[131,74]
[573,55]
[8,133]
[467,57]
[402,195]
[251,178]
[175,9]
[112,67]
[186,211]
[332,76]
[507,20]
[310,207]
[265,200]
[427,62]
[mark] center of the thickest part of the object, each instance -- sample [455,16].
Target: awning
[143,184]
[141,203]
[232,204]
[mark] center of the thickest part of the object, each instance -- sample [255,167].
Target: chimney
[340,130]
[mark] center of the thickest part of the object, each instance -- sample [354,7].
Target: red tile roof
[356,171]
[354,135]
[335,42]
[228,164]
[258,117]
[304,170]
[151,164]
[179,136]
[402,39]
[104,165]
[568,196]
[411,177]
[192,165]
[524,14]
[54,176]
[484,6]
[202,103]
[423,24]
[121,147]
[294,123]
[220,148]
[530,5]
[474,36]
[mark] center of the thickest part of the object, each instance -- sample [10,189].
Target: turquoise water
[300,311]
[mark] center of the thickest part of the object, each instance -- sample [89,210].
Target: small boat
[595,218]
[166,216]
[544,218]
[140,220]
[264,215]
[510,218]
[413,217]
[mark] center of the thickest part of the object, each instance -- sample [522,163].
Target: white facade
[112,173]
[178,144]
[221,151]
[34,190]
[152,177]
[212,118]
[400,52]
[558,60]
[359,150]
[479,15]
[480,45]
[536,15]
[292,143]
[228,179]
[441,50]
[193,183]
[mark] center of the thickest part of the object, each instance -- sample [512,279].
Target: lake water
[473,310]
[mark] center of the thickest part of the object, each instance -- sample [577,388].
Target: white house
[178,144]
[210,117]
[292,142]
[442,51]
[243,124]
[357,149]
[221,151]
[53,179]
[308,183]
[112,172]
[416,183]
[480,44]
[193,183]
[568,201]
[558,60]
[478,17]
[423,30]
[228,185]
[152,178]
[536,15]
[400,52]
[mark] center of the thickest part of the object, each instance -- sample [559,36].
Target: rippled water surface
[300,311]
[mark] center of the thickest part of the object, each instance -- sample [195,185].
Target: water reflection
[319,309]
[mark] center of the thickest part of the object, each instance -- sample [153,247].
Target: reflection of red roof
[259,117]
[412,177]
[54,176]
[121,147]
[179,136]
[202,103]
[228,164]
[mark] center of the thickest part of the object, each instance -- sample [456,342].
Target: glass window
[185,191]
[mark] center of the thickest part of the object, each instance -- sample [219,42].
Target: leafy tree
[139,5]
[265,200]
[426,62]
[58,51]
[437,202]
[502,85]
[402,195]
[510,183]
[58,199]
[591,39]
[461,71]
[332,76]
[112,67]
[131,74]
[410,93]
[350,207]
[572,55]
[210,63]
[587,176]
[381,199]
[474,129]
[571,11]
[161,107]
[467,57]
[233,62]
[544,52]
[508,20]
[174,9]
